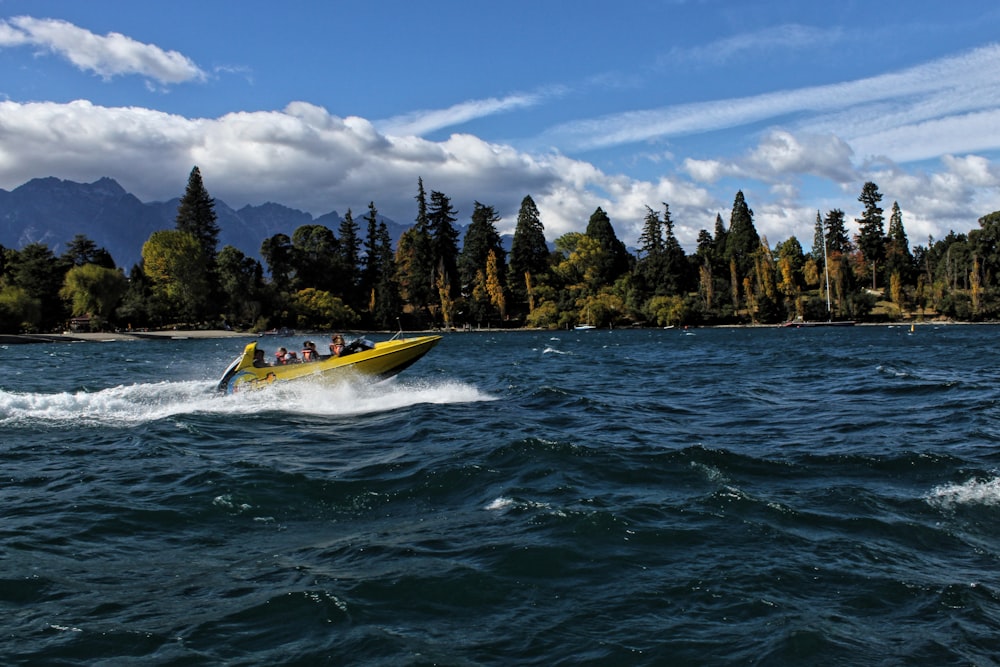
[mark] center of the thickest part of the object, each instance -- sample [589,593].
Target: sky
[329,105]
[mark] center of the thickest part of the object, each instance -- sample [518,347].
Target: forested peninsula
[353,278]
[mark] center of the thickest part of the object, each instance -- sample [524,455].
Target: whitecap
[972,492]
[498,504]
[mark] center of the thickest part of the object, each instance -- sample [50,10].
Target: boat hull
[384,359]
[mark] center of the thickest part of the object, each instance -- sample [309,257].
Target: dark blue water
[733,496]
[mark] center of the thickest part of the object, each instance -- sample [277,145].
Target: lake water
[657,497]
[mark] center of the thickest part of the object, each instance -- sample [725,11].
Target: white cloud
[948,95]
[782,153]
[109,55]
[420,123]
[787,36]
[304,157]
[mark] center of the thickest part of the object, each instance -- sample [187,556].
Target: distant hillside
[53,211]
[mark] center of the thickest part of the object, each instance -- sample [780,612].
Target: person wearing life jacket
[279,357]
[336,345]
[309,352]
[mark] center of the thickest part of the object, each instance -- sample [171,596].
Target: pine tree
[481,241]
[742,240]
[898,260]
[415,259]
[82,250]
[350,253]
[871,234]
[316,258]
[277,252]
[615,261]
[196,215]
[529,254]
[819,239]
[370,259]
[444,243]
[388,304]
[837,240]
[675,261]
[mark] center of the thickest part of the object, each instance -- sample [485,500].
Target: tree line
[354,278]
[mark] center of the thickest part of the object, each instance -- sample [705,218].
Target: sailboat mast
[826,268]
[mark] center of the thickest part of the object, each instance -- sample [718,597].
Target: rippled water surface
[704,497]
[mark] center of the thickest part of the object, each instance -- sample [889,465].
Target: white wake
[129,405]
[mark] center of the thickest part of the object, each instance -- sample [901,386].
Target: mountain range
[52,211]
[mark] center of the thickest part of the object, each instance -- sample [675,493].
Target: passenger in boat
[336,345]
[258,359]
[309,352]
[283,356]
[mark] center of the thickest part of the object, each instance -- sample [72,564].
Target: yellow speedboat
[383,359]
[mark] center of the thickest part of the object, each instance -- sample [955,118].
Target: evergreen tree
[676,262]
[370,261]
[819,239]
[388,304]
[415,258]
[481,237]
[651,239]
[615,257]
[37,271]
[871,234]
[720,240]
[742,240]
[278,252]
[82,250]
[529,254]
[898,259]
[706,247]
[350,254]
[662,267]
[444,245]
[650,269]
[836,233]
[241,282]
[316,258]
[838,248]
[196,216]
[482,240]
[134,310]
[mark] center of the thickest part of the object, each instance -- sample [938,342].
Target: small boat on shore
[381,360]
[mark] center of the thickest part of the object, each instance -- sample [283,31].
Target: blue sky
[329,105]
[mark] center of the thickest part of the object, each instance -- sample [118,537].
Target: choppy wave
[972,492]
[748,496]
[129,405]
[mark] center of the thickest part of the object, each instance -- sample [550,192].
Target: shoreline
[108,337]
